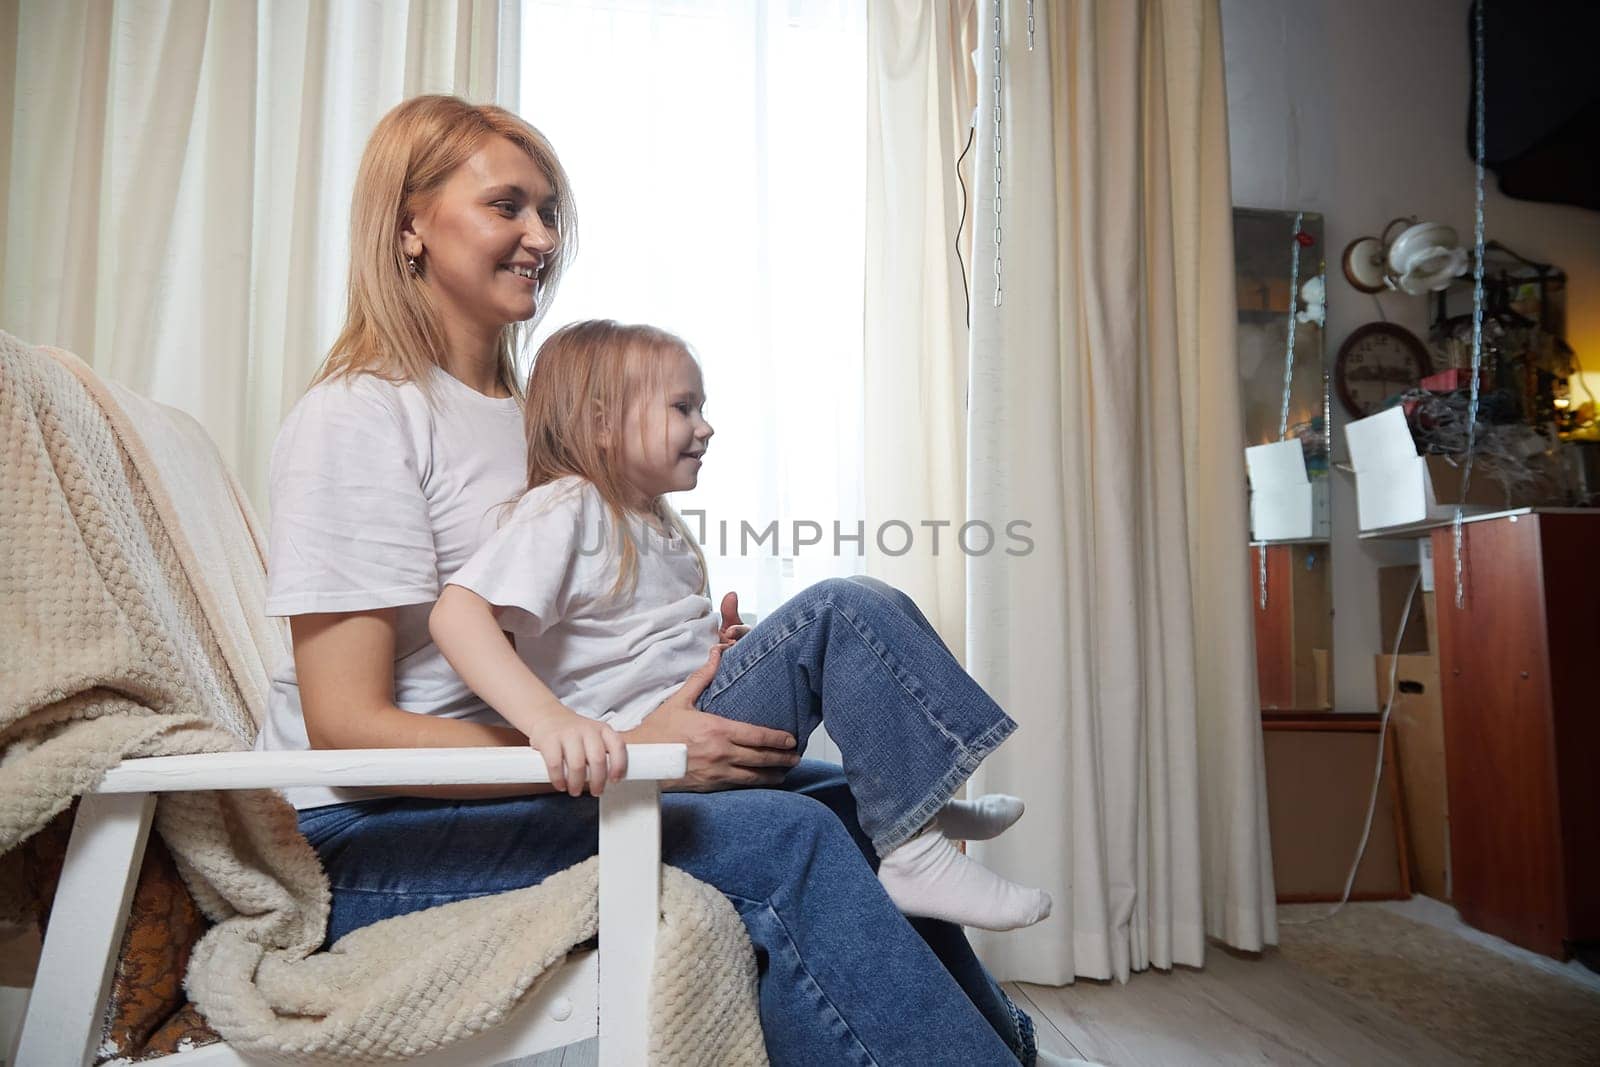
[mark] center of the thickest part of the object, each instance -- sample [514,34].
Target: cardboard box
[1262,294]
[1395,486]
[1285,503]
[1418,723]
[1394,586]
[1322,689]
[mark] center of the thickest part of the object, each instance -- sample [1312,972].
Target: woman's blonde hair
[391,327]
[585,378]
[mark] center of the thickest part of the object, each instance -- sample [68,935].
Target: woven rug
[1476,1002]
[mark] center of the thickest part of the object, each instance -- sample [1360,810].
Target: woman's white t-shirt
[550,572]
[378,497]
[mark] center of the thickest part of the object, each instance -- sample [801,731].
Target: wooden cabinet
[1294,630]
[1520,683]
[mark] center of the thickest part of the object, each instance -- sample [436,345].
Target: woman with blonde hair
[387,475]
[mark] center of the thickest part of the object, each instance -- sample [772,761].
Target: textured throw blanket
[128,628]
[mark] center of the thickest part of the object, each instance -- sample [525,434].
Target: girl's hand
[581,754]
[731,629]
[723,753]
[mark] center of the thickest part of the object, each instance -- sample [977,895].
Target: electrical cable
[972,132]
[1377,774]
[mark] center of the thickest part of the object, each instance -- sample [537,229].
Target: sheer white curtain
[717,153]
[178,183]
[921,98]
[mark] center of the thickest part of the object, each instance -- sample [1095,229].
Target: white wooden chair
[600,994]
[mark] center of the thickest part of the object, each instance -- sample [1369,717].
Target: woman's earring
[413,266]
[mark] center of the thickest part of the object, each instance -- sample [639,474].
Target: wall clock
[1376,362]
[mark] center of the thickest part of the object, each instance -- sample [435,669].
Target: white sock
[978,820]
[928,876]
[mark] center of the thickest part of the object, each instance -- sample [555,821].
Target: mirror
[1291,580]
[1262,262]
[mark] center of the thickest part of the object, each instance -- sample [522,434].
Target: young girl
[602,590]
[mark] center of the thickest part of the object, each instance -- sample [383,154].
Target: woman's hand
[731,629]
[723,753]
[581,754]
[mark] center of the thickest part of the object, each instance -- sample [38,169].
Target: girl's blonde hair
[391,327]
[586,377]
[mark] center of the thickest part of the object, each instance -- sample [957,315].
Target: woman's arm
[581,753]
[345,665]
[723,754]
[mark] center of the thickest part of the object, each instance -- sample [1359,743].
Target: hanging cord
[1288,379]
[966,294]
[998,4]
[1477,302]
[1377,773]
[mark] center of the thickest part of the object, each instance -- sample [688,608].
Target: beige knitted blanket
[118,639]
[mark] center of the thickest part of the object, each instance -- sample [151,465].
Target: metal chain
[998,4]
[1030,25]
[1294,306]
[1477,302]
[1261,561]
[1288,379]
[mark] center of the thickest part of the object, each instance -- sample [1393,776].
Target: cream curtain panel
[1103,412]
[178,177]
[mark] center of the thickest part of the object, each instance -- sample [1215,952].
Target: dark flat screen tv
[1542,99]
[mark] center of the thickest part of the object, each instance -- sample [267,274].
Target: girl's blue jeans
[910,724]
[844,977]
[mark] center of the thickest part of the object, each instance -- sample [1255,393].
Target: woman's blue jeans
[844,977]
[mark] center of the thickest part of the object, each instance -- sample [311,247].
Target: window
[717,154]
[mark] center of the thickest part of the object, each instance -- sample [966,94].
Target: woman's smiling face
[482,242]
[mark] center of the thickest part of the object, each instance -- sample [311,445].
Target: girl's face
[665,435]
[482,241]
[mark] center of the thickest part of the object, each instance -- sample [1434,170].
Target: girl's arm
[344,662]
[579,752]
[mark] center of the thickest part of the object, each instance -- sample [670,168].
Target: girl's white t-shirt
[378,497]
[550,572]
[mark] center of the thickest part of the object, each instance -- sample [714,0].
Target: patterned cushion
[147,1014]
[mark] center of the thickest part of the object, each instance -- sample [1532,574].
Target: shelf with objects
[1535,435]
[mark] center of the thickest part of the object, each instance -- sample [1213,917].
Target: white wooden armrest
[64,1013]
[363,767]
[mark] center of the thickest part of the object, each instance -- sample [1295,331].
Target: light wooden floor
[1238,1010]
[583,1054]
